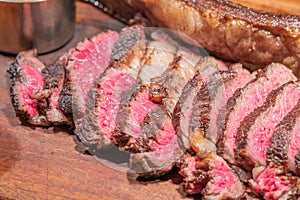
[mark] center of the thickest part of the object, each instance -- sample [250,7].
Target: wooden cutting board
[43,163]
[38,163]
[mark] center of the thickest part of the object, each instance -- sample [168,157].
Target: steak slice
[229,30]
[255,131]
[86,63]
[213,177]
[48,98]
[27,79]
[159,136]
[245,100]
[134,107]
[99,121]
[166,89]
[274,183]
[284,143]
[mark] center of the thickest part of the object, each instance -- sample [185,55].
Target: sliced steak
[255,131]
[245,100]
[27,79]
[227,29]
[156,60]
[166,89]
[86,63]
[273,183]
[48,98]
[213,177]
[159,136]
[284,144]
[99,121]
[134,107]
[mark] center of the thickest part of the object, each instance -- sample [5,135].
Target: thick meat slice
[229,30]
[255,131]
[158,135]
[274,183]
[86,63]
[212,177]
[245,100]
[182,111]
[99,121]
[48,98]
[134,107]
[27,80]
[285,142]
[166,89]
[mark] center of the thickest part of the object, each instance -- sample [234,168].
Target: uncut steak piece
[245,100]
[86,62]
[255,131]
[99,121]
[48,98]
[275,183]
[212,177]
[284,143]
[27,79]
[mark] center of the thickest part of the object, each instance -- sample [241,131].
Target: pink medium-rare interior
[34,83]
[263,130]
[165,136]
[92,59]
[112,87]
[223,178]
[294,146]
[139,111]
[270,184]
[254,97]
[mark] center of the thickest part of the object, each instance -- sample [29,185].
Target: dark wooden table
[43,163]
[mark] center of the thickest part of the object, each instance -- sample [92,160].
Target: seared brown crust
[297,163]
[241,155]
[15,72]
[280,141]
[230,31]
[232,101]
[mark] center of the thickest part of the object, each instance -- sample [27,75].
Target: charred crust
[297,163]
[246,124]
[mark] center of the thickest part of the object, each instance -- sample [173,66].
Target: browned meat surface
[230,31]
[255,131]
[284,144]
[27,79]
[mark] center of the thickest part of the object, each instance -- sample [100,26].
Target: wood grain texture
[38,163]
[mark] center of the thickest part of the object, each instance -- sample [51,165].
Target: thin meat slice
[255,131]
[285,142]
[104,100]
[85,64]
[245,100]
[27,79]
[48,98]
[274,183]
[211,176]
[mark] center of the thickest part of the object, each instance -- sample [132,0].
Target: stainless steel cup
[42,24]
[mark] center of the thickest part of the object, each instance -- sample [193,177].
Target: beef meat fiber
[284,143]
[273,183]
[99,121]
[85,64]
[212,177]
[27,79]
[255,131]
[245,100]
